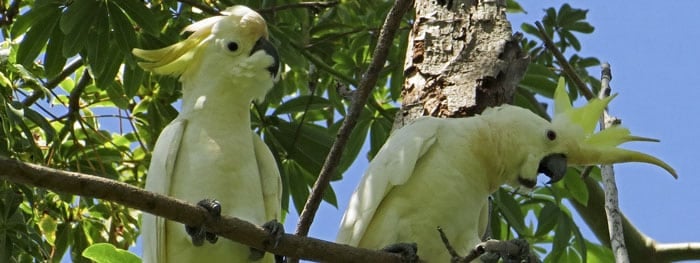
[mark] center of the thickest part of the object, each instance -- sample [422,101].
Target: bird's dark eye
[551,135]
[232,46]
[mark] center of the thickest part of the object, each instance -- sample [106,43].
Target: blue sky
[651,47]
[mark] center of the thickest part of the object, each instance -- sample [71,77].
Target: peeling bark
[462,58]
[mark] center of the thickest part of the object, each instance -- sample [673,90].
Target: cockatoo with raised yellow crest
[209,151]
[439,172]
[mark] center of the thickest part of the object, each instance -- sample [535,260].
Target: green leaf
[579,241]
[330,197]
[530,29]
[35,40]
[16,109]
[598,253]
[571,256]
[133,77]
[4,81]
[379,133]
[16,118]
[355,142]
[53,57]
[33,17]
[76,23]
[98,47]
[108,253]
[514,7]
[117,96]
[47,225]
[571,40]
[140,14]
[41,121]
[510,209]
[112,63]
[122,29]
[308,145]
[562,235]
[568,15]
[298,104]
[588,62]
[547,219]
[582,26]
[297,179]
[576,187]
[540,80]
[76,14]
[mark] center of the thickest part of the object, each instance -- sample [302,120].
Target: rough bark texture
[462,58]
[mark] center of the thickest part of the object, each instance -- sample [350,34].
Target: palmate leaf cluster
[73,98]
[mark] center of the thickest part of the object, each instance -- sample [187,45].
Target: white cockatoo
[439,172]
[209,150]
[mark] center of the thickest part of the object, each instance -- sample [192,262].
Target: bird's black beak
[553,166]
[265,45]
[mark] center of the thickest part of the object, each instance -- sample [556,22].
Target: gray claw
[408,251]
[199,233]
[276,231]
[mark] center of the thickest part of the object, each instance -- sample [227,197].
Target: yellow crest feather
[174,59]
[600,147]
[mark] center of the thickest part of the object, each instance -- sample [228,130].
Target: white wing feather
[159,178]
[394,164]
[269,179]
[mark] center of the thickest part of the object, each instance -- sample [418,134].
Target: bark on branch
[462,57]
[183,212]
[612,208]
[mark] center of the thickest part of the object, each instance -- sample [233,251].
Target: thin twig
[53,83]
[313,82]
[314,6]
[323,65]
[568,69]
[73,111]
[497,249]
[367,83]
[173,209]
[455,258]
[612,209]
[76,93]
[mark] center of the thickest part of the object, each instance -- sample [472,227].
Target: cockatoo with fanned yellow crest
[209,151]
[439,172]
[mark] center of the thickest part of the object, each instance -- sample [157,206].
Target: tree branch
[677,251]
[612,208]
[369,80]
[568,69]
[183,212]
[53,83]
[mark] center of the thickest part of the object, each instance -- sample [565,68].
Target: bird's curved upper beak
[553,166]
[266,46]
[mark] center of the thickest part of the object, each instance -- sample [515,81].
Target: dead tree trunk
[462,57]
